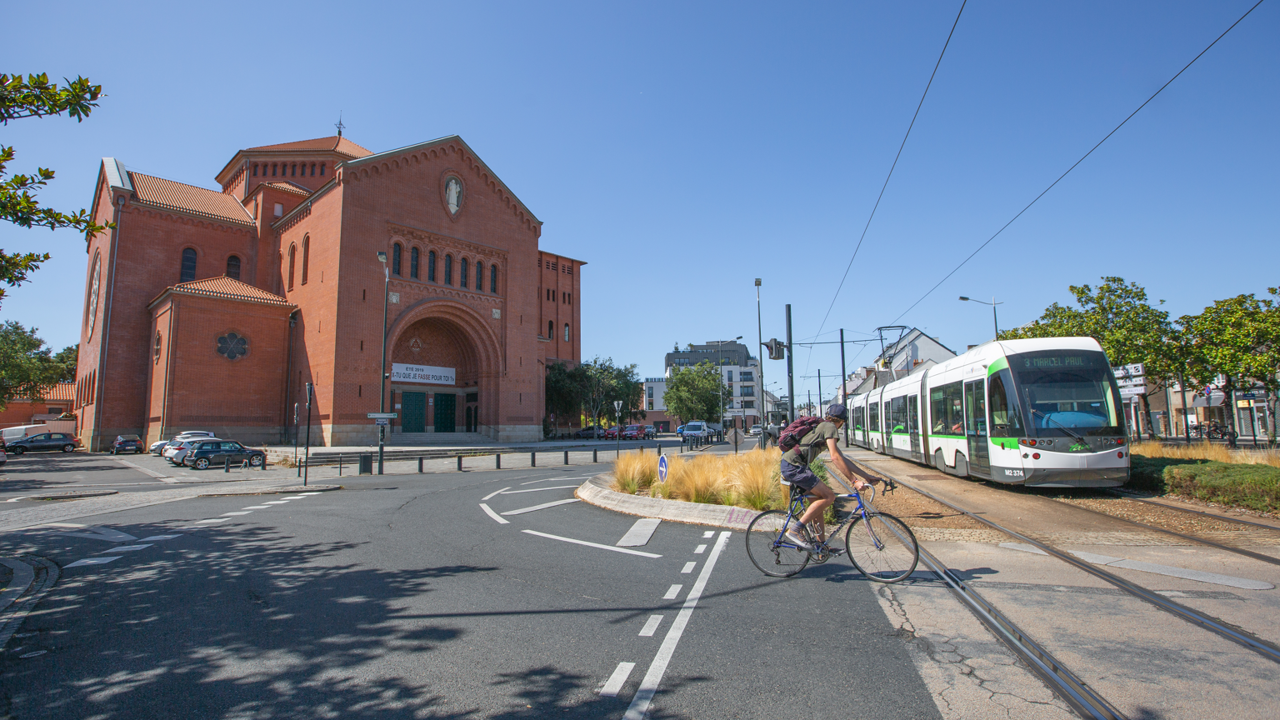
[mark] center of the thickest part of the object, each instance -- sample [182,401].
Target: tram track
[1218,627]
[1120,493]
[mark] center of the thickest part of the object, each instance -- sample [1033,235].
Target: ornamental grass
[1207,451]
[748,480]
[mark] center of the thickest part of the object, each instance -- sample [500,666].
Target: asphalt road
[401,596]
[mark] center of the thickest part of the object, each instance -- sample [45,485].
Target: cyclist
[795,469]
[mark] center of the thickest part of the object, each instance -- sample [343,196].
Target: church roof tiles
[227,288]
[189,198]
[336,143]
[291,187]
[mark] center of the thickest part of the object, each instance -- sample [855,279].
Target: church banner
[401,372]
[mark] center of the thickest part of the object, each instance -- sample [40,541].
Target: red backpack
[795,432]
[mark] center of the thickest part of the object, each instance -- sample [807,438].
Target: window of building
[306,256]
[748,376]
[233,267]
[431,265]
[748,391]
[293,254]
[650,407]
[395,259]
[313,169]
[293,171]
[551,329]
[462,274]
[649,392]
[566,332]
[273,169]
[730,375]
[321,169]
[479,276]
[188,272]
[569,298]
[413,263]
[279,210]
[448,269]
[493,279]
[748,404]
[255,169]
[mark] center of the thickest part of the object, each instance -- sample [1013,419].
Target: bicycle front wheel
[882,547]
[769,550]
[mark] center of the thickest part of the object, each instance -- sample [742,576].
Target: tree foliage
[606,383]
[35,96]
[697,393]
[27,369]
[565,391]
[1230,341]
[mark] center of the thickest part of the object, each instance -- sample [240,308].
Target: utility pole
[819,392]
[844,378]
[791,387]
[764,398]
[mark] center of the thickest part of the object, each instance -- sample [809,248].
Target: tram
[1043,412]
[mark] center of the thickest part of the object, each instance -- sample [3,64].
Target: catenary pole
[764,394]
[791,387]
[844,378]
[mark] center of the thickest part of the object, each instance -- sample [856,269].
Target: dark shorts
[799,475]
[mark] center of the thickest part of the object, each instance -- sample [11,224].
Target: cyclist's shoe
[794,538]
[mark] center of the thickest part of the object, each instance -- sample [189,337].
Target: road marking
[160,537]
[619,678]
[591,544]
[16,499]
[1153,568]
[309,494]
[496,492]
[144,471]
[293,497]
[93,561]
[96,533]
[276,502]
[126,548]
[36,653]
[531,482]
[239,512]
[640,533]
[708,534]
[651,626]
[212,520]
[257,507]
[639,708]
[700,549]
[489,511]
[672,592]
[688,568]
[554,487]
[543,506]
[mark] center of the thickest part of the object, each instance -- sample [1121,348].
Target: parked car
[178,449]
[44,441]
[611,433]
[633,432]
[158,447]
[649,432]
[680,431]
[4,452]
[206,453]
[754,431]
[697,428]
[126,443]
[591,431]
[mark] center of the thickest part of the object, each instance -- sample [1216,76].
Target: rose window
[233,346]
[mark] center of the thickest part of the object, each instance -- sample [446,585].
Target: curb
[72,495]
[277,491]
[596,491]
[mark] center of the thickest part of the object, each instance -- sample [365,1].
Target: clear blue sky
[684,149]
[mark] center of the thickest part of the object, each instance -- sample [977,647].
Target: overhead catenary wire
[1076,163]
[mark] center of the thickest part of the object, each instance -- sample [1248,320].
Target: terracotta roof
[62,392]
[228,288]
[289,187]
[335,143]
[189,198]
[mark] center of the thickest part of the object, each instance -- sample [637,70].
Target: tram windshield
[1065,393]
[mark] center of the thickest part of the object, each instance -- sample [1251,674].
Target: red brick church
[212,309]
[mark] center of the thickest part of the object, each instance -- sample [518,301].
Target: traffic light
[777,349]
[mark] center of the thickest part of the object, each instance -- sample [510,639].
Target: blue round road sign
[662,468]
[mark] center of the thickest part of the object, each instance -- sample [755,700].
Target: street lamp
[382,396]
[993,305]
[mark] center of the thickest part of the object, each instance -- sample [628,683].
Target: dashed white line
[154,538]
[93,561]
[619,678]
[591,544]
[275,502]
[126,548]
[553,487]
[211,521]
[258,507]
[293,497]
[700,549]
[239,512]
[708,534]
[651,626]
[531,482]
[489,511]
[672,592]
[496,492]
[639,708]
[543,506]
[688,568]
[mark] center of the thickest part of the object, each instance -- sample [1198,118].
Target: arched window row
[289,169]
[188,271]
[233,267]
[293,254]
[470,276]
[306,256]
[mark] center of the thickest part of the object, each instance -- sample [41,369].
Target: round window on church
[233,346]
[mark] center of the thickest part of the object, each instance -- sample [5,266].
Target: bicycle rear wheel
[882,547]
[769,551]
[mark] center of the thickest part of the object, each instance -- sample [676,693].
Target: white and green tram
[1043,412]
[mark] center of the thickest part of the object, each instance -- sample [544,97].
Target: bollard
[497,461]
[594,457]
[533,459]
[419,464]
[566,457]
[459,463]
[226,464]
[339,466]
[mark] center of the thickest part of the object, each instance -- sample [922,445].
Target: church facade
[218,309]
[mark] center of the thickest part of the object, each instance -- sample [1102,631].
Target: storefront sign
[1129,371]
[401,372]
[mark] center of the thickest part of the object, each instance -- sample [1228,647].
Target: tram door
[975,424]
[913,426]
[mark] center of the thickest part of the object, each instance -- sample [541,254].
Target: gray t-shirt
[812,445]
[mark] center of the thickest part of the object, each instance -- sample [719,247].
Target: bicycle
[883,549]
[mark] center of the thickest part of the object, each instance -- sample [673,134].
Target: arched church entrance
[437,377]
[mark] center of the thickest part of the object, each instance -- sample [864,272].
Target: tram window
[975,411]
[874,412]
[913,414]
[1006,421]
[860,418]
[946,409]
[898,414]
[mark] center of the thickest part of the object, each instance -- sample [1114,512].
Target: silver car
[178,449]
[158,448]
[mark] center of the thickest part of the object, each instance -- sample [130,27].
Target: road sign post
[617,447]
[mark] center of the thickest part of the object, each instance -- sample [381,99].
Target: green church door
[414,407]
[446,416]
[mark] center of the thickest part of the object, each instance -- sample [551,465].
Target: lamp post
[993,305]
[760,383]
[382,369]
